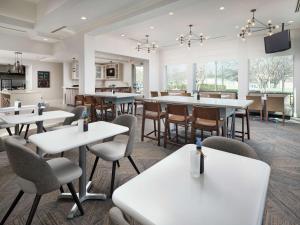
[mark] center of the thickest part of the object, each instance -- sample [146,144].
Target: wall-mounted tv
[278,42]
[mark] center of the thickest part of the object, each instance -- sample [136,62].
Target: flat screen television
[278,42]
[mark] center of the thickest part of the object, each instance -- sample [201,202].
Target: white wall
[231,49]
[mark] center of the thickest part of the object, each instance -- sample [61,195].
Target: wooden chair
[206,119]
[243,114]
[154,94]
[164,93]
[152,111]
[275,104]
[257,104]
[103,107]
[214,95]
[178,115]
[186,94]
[90,103]
[79,100]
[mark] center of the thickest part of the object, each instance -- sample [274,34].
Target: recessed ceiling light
[122,35]
[291,21]
[222,8]
[83,18]
[45,39]
[171,13]
[151,27]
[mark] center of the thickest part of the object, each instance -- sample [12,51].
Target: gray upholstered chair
[37,176]
[117,217]
[78,113]
[116,148]
[230,145]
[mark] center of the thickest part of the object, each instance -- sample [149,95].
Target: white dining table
[227,106]
[231,191]
[118,98]
[58,141]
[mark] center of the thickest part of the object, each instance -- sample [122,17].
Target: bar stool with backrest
[103,107]
[154,94]
[206,119]
[186,94]
[243,115]
[79,100]
[39,177]
[275,104]
[152,111]
[257,104]
[90,103]
[178,115]
[164,93]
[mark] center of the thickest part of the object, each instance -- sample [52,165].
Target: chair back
[186,94]
[130,122]
[214,95]
[275,104]
[90,100]
[208,113]
[117,217]
[30,166]
[80,99]
[154,94]
[230,145]
[152,106]
[78,114]
[176,109]
[257,103]
[164,93]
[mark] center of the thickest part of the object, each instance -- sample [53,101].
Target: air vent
[58,29]
[297,6]
[9,28]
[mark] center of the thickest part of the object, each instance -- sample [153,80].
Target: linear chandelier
[145,45]
[254,25]
[191,37]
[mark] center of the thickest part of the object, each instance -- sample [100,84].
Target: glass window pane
[177,77]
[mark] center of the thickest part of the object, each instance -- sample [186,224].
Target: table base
[88,196]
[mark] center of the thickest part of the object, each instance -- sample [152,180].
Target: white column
[243,86]
[296,50]
[87,74]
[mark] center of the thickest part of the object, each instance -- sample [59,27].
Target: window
[271,74]
[138,78]
[176,76]
[217,76]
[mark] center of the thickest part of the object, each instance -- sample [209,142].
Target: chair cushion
[65,170]
[109,151]
[207,123]
[177,118]
[154,115]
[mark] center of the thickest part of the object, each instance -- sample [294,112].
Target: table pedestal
[83,186]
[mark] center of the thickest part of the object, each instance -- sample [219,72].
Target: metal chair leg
[112,182]
[94,168]
[21,129]
[75,197]
[133,164]
[62,189]
[9,131]
[26,132]
[11,208]
[118,163]
[33,209]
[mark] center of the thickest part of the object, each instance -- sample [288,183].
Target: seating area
[149,112]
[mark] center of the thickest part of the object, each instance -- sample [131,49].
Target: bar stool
[164,93]
[154,94]
[79,100]
[243,114]
[214,95]
[257,104]
[152,111]
[178,115]
[103,107]
[90,103]
[206,119]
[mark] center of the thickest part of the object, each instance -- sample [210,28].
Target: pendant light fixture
[145,45]
[18,65]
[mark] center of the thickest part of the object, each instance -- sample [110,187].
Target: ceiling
[208,19]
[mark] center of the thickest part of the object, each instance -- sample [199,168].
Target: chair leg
[21,129]
[185,132]
[166,133]
[118,163]
[26,132]
[33,209]
[176,129]
[202,135]
[193,134]
[112,182]
[62,154]
[135,107]
[133,164]
[9,131]
[94,168]
[44,129]
[154,125]
[158,135]
[11,208]
[243,130]
[248,125]
[143,128]
[75,197]
[61,189]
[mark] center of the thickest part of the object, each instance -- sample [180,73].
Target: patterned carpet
[277,145]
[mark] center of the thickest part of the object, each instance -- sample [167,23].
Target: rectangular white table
[69,138]
[232,191]
[227,106]
[117,98]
